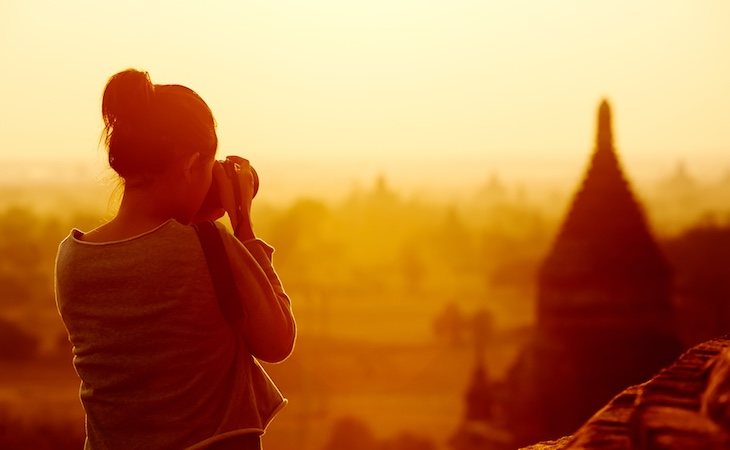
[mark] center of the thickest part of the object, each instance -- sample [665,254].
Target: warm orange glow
[418,159]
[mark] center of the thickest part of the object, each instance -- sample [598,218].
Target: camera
[212,200]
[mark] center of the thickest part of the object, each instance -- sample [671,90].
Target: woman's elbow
[278,350]
[274,354]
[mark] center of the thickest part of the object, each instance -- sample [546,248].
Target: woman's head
[158,133]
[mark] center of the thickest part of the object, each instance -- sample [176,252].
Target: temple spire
[604,239]
[604,132]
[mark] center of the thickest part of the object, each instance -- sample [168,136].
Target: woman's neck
[143,207]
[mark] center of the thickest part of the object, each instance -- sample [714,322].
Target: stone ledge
[685,406]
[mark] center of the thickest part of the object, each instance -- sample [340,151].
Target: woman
[160,366]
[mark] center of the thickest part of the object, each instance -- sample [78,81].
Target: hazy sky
[445,92]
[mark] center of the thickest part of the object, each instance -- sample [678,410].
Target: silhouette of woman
[160,365]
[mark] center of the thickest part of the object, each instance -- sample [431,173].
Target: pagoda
[605,270]
[604,310]
[479,428]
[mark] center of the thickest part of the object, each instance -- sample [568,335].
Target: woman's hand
[239,214]
[210,209]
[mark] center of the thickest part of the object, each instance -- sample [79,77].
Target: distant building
[680,180]
[604,312]
[479,428]
[679,193]
[493,190]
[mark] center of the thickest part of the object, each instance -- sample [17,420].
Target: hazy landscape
[420,162]
[384,286]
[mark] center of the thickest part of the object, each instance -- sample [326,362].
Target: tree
[352,434]
[15,343]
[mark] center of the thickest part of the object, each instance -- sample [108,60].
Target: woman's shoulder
[170,237]
[110,234]
[159,251]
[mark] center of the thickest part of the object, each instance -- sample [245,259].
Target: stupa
[604,309]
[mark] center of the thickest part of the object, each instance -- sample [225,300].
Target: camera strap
[220,272]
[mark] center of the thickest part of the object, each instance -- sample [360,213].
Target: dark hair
[147,126]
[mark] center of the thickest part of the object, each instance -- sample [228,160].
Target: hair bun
[127,97]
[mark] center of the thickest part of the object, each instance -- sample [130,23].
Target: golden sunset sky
[426,92]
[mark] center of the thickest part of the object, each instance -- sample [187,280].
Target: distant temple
[478,429]
[680,179]
[604,312]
